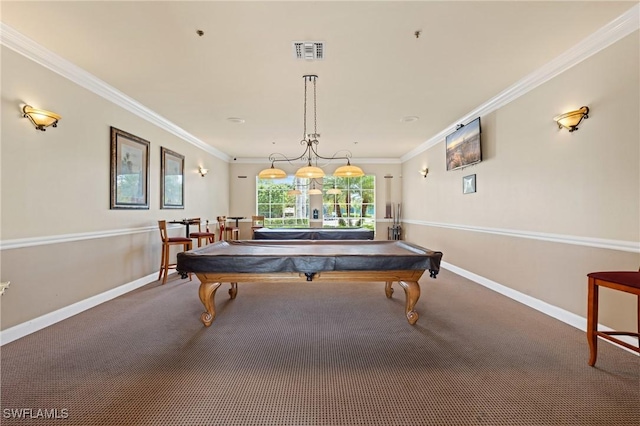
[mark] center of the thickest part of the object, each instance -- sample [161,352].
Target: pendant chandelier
[313,190]
[310,154]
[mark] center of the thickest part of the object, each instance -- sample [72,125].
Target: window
[279,207]
[354,206]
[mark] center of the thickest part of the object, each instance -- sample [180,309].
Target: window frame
[276,204]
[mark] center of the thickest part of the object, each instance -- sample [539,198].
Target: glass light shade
[334,191]
[294,192]
[314,191]
[272,173]
[40,117]
[348,171]
[571,119]
[309,172]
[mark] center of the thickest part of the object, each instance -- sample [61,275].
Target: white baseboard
[26,328]
[31,326]
[553,311]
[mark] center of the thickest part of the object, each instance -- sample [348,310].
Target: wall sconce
[203,172]
[3,287]
[424,172]
[571,119]
[40,118]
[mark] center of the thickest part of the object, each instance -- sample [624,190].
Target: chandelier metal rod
[310,142]
[307,154]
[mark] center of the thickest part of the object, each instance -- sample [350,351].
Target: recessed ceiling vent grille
[308,50]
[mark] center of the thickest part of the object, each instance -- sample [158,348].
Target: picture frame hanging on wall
[129,171]
[171,179]
[469,184]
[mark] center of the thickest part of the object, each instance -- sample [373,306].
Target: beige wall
[534,179]
[56,183]
[537,181]
[242,180]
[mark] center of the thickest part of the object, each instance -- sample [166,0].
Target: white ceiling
[375,71]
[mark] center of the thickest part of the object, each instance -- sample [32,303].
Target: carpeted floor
[316,354]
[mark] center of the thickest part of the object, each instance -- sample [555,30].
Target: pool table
[313,234]
[308,260]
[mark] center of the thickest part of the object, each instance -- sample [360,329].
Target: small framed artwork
[129,171]
[171,179]
[469,184]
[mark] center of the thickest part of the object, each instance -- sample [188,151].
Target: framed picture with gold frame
[171,179]
[129,171]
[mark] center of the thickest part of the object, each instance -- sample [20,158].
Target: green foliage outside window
[278,207]
[353,207]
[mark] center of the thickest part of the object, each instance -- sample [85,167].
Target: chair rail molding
[621,245]
[67,238]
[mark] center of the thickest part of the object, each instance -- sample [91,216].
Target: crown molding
[614,31]
[28,48]
[617,29]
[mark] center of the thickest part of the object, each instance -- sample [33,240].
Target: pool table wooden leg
[207,293]
[233,291]
[388,290]
[412,292]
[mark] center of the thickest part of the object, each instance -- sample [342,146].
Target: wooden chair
[257,222]
[627,281]
[226,231]
[202,235]
[212,239]
[167,242]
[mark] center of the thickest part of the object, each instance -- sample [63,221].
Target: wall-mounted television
[463,146]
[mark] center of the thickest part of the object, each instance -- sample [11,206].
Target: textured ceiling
[375,72]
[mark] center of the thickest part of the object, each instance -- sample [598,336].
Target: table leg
[592,321]
[638,318]
[207,293]
[388,290]
[412,292]
[233,290]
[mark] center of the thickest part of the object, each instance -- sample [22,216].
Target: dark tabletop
[313,234]
[258,256]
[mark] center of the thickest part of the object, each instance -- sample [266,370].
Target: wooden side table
[627,281]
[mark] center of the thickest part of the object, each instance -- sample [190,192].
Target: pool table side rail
[248,257]
[313,234]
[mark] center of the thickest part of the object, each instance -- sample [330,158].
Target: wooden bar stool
[167,242]
[257,222]
[200,234]
[627,281]
[227,232]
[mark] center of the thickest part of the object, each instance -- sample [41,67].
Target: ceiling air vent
[308,50]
